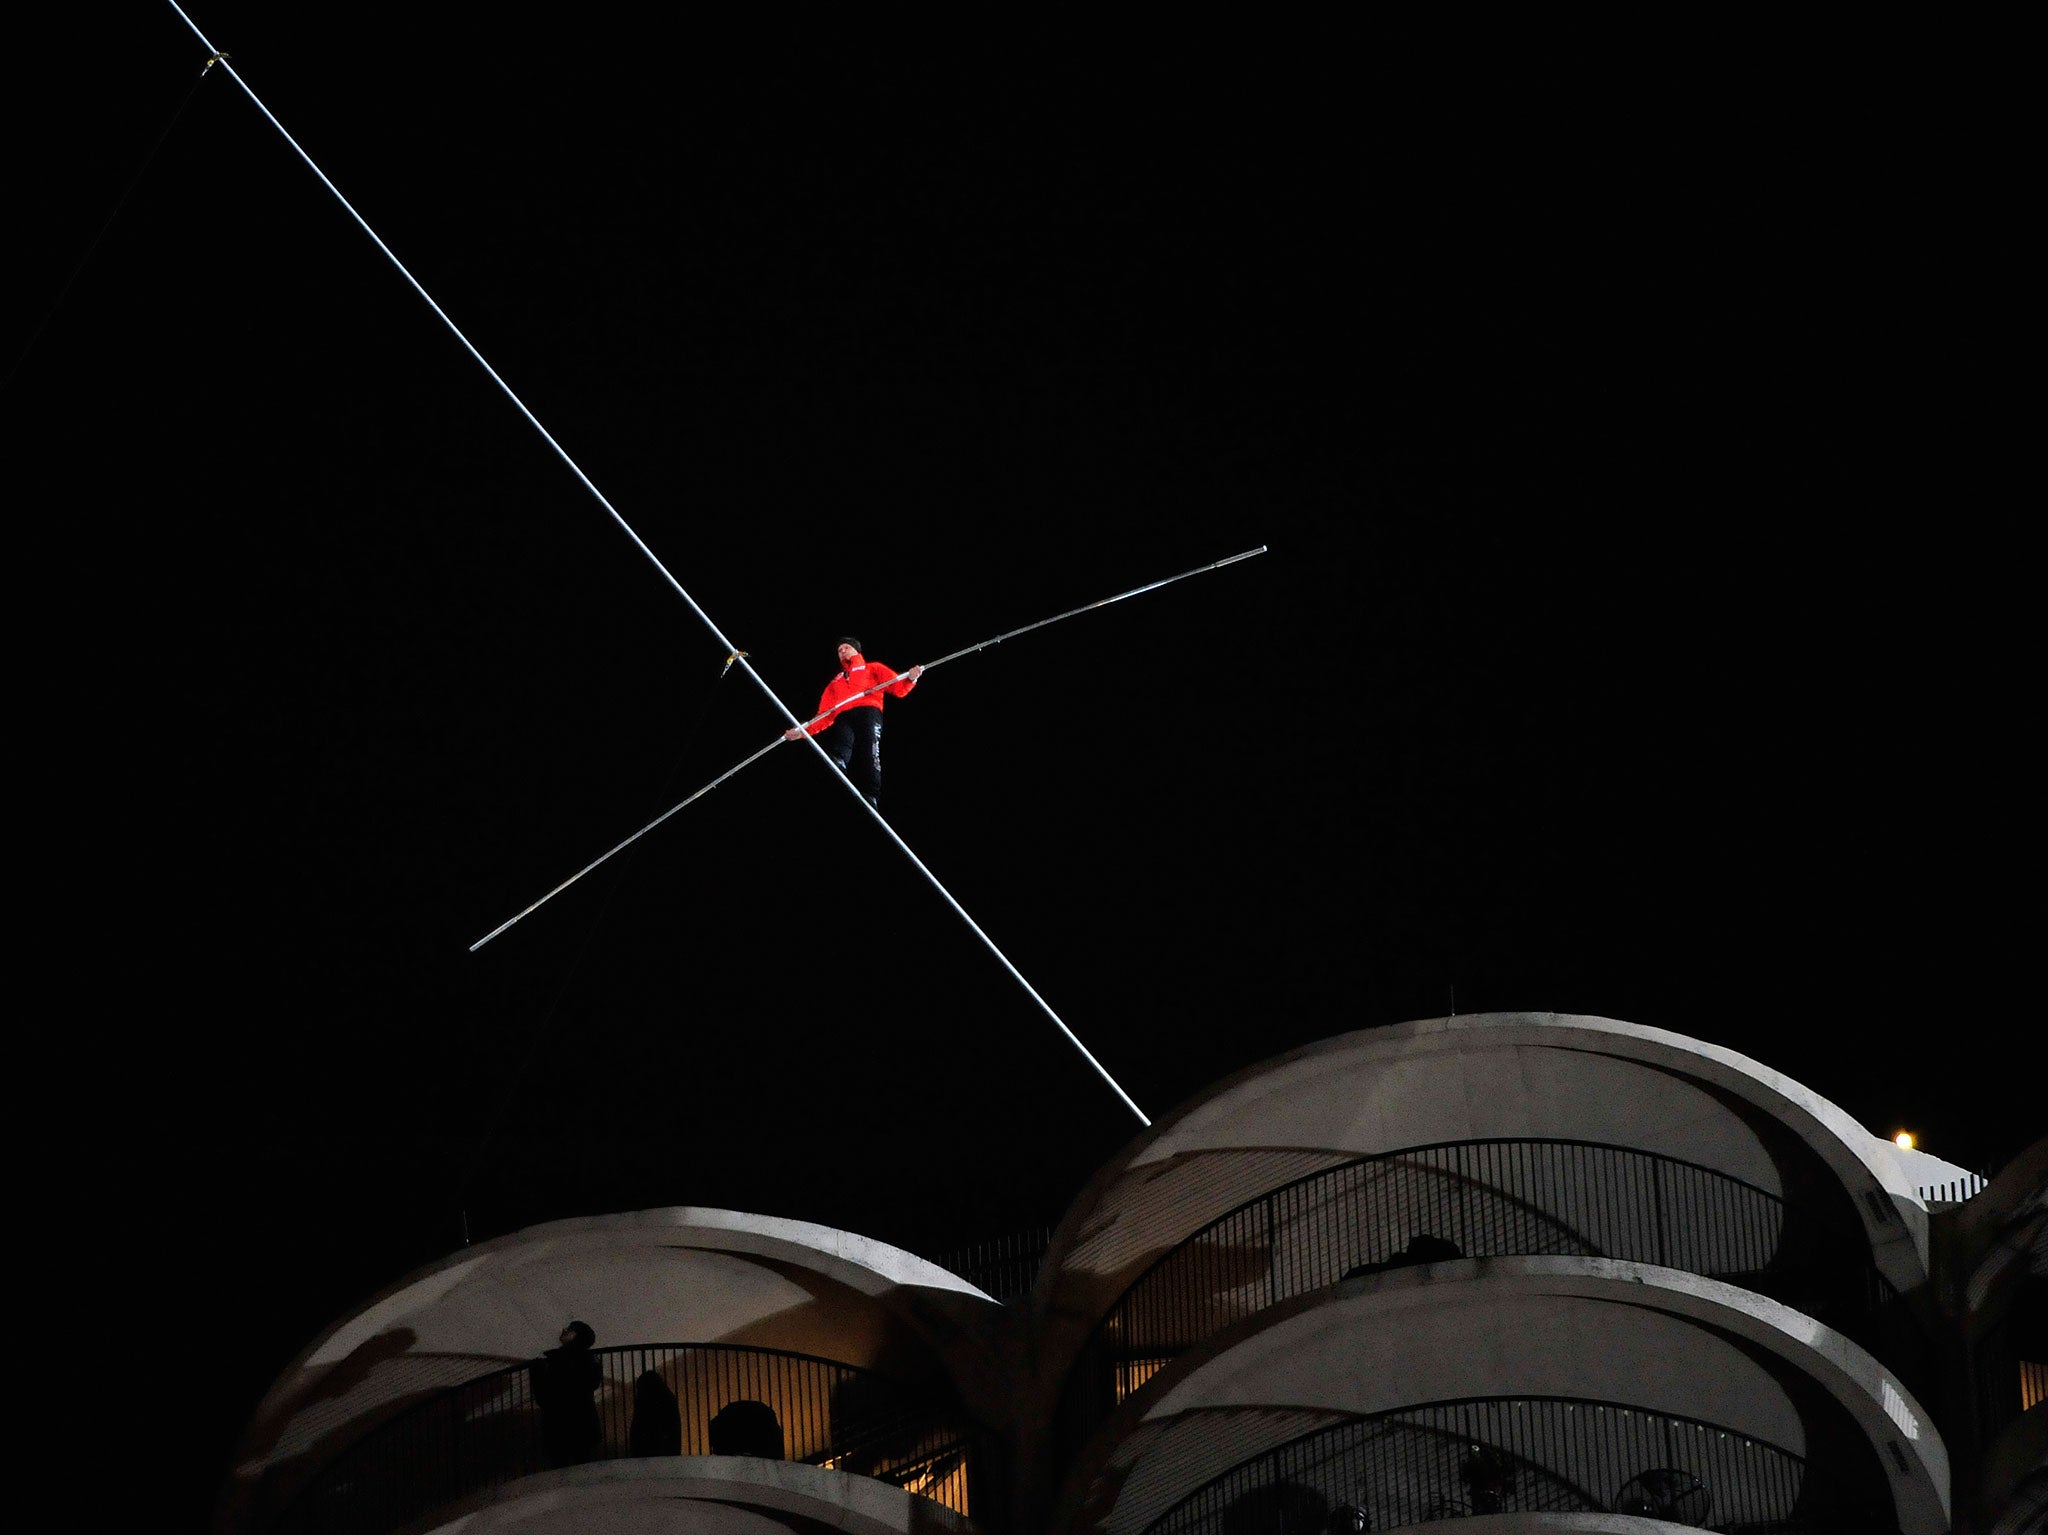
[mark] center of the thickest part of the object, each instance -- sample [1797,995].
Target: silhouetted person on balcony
[1423,1247]
[657,1421]
[1427,1247]
[878,1431]
[1489,1478]
[747,1427]
[565,1380]
[1279,1508]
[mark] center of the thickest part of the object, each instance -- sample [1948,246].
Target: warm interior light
[1133,1373]
[1903,1140]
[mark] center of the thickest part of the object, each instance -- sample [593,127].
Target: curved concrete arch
[1670,1342]
[699,1495]
[859,1263]
[681,1274]
[2000,1232]
[1485,1075]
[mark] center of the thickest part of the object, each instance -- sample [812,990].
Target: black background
[1632,424]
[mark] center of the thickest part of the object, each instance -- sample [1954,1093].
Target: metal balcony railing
[1501,1455]
[1003,1268]
[490,1431]
[1487,1198]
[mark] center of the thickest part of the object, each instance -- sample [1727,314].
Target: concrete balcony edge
[857,1505]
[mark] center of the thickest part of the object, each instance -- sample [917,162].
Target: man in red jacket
[850,716]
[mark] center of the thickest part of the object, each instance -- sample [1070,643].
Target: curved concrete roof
[1446,1079]
[650,1276]
[1667,1342]
[2002,1234]
[700,1495]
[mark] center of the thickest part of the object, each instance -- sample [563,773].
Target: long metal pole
[1088,607]
[216,56]
[1102,602]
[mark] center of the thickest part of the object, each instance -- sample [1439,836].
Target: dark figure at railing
[657,1421]
[747,1427]
[1279,1508]
[1428,1247]
[1423,1247]
[1489,1478]
[564,1382]
[870,1430]
[1678,1497]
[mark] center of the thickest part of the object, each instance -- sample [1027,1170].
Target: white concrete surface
[1645,1337]
[681,1275]
[704,1495]
[1487,1075]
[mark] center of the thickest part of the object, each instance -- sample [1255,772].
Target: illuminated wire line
[946,895]
[843,703]
[455,330]
[216,56]
[57,303]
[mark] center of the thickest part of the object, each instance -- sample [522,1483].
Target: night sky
[1643,631]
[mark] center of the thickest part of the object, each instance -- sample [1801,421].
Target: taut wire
[733,652]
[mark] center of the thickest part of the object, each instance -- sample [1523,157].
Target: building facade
[1502,1273]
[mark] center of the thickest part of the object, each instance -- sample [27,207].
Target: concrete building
[1518,1271]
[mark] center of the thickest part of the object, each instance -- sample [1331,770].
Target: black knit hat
[847,639]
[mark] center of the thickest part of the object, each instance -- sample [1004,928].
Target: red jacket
[858,678]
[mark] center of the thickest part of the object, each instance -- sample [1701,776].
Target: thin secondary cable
[625,527]
[520,405]
[855,698]
[148,160]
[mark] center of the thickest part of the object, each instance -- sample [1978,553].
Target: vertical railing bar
[1657,1202]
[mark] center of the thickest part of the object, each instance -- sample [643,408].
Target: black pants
[854,743]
